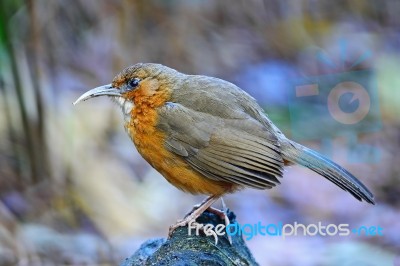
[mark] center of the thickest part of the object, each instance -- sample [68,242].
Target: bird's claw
[222,214]
[179,223]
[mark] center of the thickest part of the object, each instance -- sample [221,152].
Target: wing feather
[237,150]
[245,162]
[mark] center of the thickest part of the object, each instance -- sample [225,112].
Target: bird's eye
[133,83]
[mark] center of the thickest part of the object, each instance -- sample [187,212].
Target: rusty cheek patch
[149,95]
[149,87]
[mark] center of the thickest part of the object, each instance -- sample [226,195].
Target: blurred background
[74,190]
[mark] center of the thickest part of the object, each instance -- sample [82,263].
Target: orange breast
[149,141]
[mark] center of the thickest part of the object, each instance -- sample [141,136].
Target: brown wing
[237,150]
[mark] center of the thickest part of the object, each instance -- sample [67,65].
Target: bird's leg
[211,209]
[223,215]
[195,207]
[198,209]
[226,218]
[196,212]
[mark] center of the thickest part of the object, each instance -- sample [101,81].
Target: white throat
[126,107]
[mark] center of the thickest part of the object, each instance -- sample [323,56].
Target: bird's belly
[150,144]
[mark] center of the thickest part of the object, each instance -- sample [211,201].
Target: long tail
[299,154]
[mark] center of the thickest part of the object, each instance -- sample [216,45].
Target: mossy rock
[184,249]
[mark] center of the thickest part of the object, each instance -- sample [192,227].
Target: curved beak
[108,90]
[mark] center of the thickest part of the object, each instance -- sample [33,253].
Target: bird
[207,136]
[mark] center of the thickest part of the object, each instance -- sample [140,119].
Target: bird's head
[135,84]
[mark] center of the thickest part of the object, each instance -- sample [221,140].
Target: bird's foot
[198,210]
[192,216]
[223,215]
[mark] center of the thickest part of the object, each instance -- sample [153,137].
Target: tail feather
[299,154]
